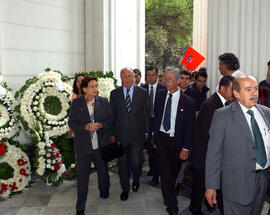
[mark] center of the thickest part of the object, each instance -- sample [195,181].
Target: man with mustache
[238,151]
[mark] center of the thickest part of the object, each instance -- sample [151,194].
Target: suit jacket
[159,87]
[130,127]
[231,156]
[184,122]
[79,117]
[201,132]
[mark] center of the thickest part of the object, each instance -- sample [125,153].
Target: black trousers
[84,162]
[131,158]
[152,153]
[170,165]
[198,190]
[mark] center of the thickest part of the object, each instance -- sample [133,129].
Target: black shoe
[80,212]
[155,181]
[104,194]
[195,213]
[135,187]
[149,173]
[124,196]
[173,213]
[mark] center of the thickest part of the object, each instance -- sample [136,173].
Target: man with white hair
[174,118]
[130,108]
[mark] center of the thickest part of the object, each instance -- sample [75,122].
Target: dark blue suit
[168,148]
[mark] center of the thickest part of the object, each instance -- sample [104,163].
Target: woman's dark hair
[85,82]
[75,88]
[230,61]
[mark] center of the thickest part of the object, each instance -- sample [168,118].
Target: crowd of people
[224,137]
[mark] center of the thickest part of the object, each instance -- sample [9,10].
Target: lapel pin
[181,110]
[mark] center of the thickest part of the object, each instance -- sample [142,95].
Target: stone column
[243,28]
[114,35]
[200,28]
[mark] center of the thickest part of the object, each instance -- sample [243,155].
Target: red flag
[192,59]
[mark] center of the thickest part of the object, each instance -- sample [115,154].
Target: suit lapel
[134,97]
[241,119]
[96,107]
[219,102]
[121,95]
[85,108]
[263,115]
[180,109]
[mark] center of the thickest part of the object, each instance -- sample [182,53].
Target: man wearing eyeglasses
[173,125]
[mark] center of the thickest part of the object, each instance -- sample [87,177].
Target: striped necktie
[128,101]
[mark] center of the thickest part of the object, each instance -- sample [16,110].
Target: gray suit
[78,118]
[130,128]
[231,159]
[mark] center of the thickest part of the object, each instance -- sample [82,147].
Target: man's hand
[70,133]
[112,139]
[184,154]
[146,136]
[211,196]
[92,126]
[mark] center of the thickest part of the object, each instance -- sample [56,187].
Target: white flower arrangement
[19,162]
[33,101]
[105,86]
[50,159]
[8,125]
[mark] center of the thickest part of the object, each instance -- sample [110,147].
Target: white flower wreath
[105,86]
[8,125]
[32,108]
[19,162]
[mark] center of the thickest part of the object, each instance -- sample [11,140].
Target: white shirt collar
[244,109]
[174,94]
[154,85]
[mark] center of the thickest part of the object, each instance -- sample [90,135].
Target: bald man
[130,108]
[238,151]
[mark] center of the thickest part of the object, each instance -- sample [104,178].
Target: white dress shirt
[175,101]
[237,73]
[264,131]
[90,106]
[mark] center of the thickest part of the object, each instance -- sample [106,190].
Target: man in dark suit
[152,87]
[174,120]
[238,151]
[200,140]
[131,126]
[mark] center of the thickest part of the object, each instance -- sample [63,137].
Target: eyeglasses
[170,79]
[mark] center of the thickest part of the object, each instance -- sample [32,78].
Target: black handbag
[112,151]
